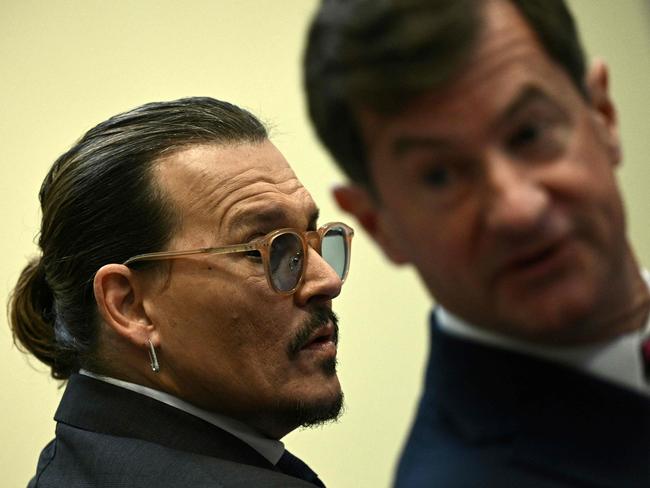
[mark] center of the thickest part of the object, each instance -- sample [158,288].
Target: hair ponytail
[30,314]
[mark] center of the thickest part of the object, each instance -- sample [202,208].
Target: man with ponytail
[183,290]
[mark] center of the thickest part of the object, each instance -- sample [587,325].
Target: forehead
[507,59]
[222,186]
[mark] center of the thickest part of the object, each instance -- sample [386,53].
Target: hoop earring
[153,359]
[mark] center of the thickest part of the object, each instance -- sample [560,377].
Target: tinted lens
[286,261]
[334,250]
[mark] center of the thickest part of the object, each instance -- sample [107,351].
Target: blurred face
[228,342]
[500,189]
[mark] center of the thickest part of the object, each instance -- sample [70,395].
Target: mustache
[319,317]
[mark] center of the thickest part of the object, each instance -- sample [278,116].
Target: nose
[517,199]
[320,283]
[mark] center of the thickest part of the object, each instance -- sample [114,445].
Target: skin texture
[500,189]
[221,334]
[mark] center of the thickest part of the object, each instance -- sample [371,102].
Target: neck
[626,306]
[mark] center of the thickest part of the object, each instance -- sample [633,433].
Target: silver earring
[153,359]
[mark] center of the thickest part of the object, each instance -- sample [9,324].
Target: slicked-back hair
[101,204]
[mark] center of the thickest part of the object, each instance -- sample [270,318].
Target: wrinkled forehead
[226,186]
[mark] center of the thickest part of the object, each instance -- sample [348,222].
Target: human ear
[118,294]
[358,202]
[597,81]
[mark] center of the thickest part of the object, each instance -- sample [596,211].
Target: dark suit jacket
[493,418]
[108,436]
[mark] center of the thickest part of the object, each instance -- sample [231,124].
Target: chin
[306,407]
[322,410]
[558,322]
[557,312]
[311,410]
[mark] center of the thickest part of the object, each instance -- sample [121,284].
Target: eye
[438,177]
[295,261]
[447,180]
[541,135]
[254,255]
[527,134]
[286,254]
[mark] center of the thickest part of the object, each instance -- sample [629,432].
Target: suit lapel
[97,406]
[585,429]
[557,420]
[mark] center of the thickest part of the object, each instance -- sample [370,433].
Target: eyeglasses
[283,253]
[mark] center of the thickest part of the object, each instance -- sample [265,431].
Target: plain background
[69,64]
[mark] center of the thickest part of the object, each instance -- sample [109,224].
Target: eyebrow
[528,95]
[409,143]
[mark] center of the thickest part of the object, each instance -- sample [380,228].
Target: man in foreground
[184,290]
[482,151]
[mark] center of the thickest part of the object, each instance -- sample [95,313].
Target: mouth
[323,338]
[320,333]
[539,262]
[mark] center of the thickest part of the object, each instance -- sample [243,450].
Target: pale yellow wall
[67,65]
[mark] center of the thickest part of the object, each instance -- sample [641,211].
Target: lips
[321,337]
[533,256]
[537,261]
[318,332]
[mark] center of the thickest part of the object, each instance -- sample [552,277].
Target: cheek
[590,165]
[257,317]
[245,333]
[442,245]
[445,264]
[603,222]
[259,324]
[588,185]
[221,309]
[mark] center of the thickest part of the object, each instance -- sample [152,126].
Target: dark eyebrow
[528,95]
[409,143]
[313,219]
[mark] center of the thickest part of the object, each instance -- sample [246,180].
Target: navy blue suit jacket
[110,436]
[495,418]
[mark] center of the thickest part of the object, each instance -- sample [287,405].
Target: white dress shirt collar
[618,360]
[271,449]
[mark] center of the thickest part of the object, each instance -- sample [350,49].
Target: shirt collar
[618,360]
[271,449]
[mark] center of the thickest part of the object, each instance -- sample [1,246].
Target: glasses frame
[310,238]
